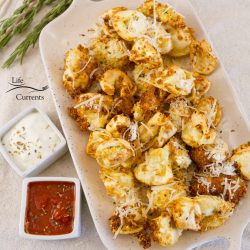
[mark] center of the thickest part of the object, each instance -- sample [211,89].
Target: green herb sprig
[20,20]
[33,36]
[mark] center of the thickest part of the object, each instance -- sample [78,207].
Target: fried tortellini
[78,65]
[95,138]
[116,81]
[117,184]
[175,80]
[110,51]
[211,153]
[202,57]
[164,231]
[143,52]
[115,153]
[155,169]
[130,24]
[92,110]
[202,212]
[241,157]
[196,130]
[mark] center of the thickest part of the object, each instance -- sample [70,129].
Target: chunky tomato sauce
[50,208]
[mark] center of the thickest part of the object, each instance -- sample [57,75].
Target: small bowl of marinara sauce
[50,208]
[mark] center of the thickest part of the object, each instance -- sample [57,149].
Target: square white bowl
[43,163]
[76,232]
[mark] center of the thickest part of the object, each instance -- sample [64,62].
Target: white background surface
[226,21]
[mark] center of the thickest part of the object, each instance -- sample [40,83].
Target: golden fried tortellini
[92,110]
[179,109]
[157,131]
[215,211]
[202,57]
[181,40]
[118,126]
[202,212]
[129,217]
[95,138]
[78,65]
[159,38]
[186,213]
[196,130]
[130,24]
[241,158]
[117,183]
[163,230]
[160,196]
[175,80]
[143,52]
[107,25]
[156,168]
[201,87]
[148,105]
[110,51]
[179,155]
[116,81]
[164,13]
[211,153]
[211,108]
[115,153]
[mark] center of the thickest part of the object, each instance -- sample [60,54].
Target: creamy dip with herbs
[30,140]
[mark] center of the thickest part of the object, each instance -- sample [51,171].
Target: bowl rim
[76,232]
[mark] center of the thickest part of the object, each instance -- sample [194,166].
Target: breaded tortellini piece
[181,40]
[95,138]
[175,80]
[159,38]
[206,154]
[115,81]
[179,109]
[130,24]
[186,213]
[196,130]
[211,108]
[156,168]
[107,25]
[160,196]
[78,65]
[231,187]
[241,158]
[164,231]
[148,104]
[215,211]
[115,153]
[128,219]
[201,87]
[202,57]
[157,131]
[117,183]
[179,155]
[118,126]
[92,111]
[164,13]
[143,52]
[110,52]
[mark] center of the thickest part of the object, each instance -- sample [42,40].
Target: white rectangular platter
[65,33]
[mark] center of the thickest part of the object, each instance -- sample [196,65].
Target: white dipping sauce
[30,140]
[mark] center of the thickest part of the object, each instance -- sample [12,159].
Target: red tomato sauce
[50,208]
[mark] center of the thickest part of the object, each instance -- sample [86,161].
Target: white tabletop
[227,22]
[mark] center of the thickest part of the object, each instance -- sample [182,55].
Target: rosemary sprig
[33,36]
[20,20]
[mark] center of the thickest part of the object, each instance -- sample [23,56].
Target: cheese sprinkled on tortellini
[202,57]
[139,85]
